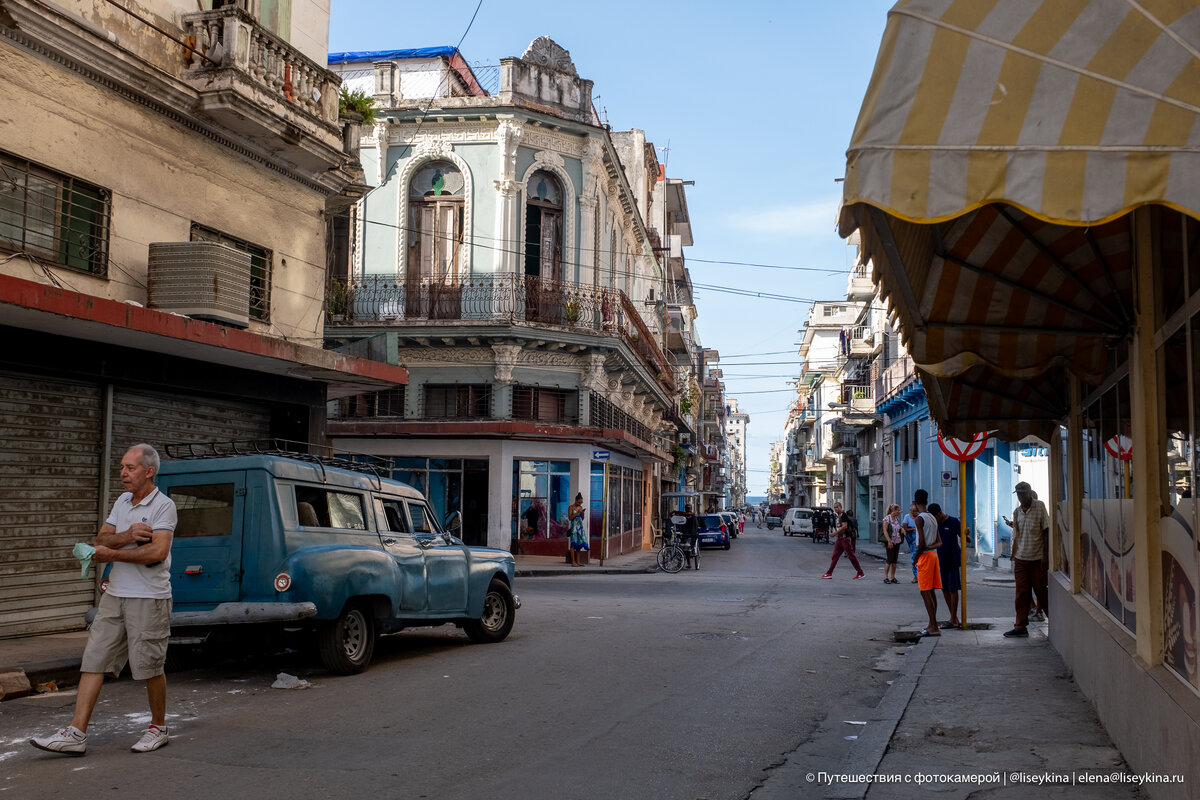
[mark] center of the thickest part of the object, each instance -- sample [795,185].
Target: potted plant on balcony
[357,102]
[571,312]
[355,109]
[337,300]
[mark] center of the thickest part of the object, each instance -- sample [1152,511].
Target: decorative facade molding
[472,132]
[506,357]
[549,159]
[548,53]
[568,145]
[443,356]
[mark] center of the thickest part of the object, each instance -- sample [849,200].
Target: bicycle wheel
[670,558]
[696,555]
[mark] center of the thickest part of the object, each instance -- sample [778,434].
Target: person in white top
[133,621]
[929,574]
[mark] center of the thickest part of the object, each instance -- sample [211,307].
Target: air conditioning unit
[205,280]
[685,438]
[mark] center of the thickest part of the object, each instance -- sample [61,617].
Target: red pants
[844,544]
[1031,579]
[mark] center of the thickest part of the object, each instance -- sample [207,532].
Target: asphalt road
[642,686]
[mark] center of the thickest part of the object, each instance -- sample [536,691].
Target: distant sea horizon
[755,499]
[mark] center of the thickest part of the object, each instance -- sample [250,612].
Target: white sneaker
[69,740]
[154,738]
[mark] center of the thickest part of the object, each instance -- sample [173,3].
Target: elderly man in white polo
[133,621]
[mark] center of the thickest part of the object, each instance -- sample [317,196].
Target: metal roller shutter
[158,418]
[50,444]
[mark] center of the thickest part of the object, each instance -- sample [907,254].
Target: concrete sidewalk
[969,714]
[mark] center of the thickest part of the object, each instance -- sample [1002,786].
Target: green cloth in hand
[84,553]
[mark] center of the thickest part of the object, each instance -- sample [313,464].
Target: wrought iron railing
[508,298]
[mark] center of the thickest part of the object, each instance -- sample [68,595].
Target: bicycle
[676,552]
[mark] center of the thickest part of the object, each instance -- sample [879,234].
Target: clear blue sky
[757,101]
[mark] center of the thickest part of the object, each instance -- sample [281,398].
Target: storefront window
[1107,519]
[596,503]
[1180,561]
[541,496]
[451,484]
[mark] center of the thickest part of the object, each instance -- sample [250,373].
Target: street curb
[62,672]
[558,571]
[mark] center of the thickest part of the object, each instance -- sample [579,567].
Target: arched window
[435,236]
[543,227]
[435,216]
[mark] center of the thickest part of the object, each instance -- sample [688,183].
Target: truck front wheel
[499,614]
[347,643]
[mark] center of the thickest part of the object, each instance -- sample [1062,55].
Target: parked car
[268,542]
[711,529]
[797,521]
[730,518]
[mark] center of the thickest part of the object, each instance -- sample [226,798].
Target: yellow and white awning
[1000,148]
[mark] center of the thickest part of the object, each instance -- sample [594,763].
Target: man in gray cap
[1031,531]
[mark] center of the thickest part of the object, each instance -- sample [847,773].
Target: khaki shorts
[129,629]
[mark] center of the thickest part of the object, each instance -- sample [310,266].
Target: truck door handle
[389,541]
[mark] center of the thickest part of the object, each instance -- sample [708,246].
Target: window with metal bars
[260,267]
[374,404]
[544,405]
[458,401]
[53,216]
[606,415]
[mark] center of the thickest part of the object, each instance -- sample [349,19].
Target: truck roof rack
[374,466]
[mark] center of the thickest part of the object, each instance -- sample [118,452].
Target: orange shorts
[929,574]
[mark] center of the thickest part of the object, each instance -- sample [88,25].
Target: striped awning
[1000,148]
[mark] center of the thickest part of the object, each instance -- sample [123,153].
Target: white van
[797,521]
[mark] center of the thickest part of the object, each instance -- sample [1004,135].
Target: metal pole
[962,545]
[604,519]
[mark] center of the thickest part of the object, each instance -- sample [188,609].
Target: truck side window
[203,510]
[420,520]
[322,508]
[393,515]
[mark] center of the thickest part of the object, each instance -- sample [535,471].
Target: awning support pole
[1148,445]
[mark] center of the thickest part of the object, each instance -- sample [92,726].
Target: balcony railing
[256,84]
[230,36]
[859,397]
[499,298]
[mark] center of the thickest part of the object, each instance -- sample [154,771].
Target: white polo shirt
[140,580]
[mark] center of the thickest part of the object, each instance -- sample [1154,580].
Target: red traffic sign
[1120,447]
[960,450]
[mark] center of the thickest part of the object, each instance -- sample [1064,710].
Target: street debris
[285,681]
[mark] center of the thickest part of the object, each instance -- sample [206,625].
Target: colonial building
[736,424]
[506,257]
[165,176]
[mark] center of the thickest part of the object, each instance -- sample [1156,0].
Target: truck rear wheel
[347,643]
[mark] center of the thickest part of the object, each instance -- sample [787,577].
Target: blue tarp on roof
[387,55]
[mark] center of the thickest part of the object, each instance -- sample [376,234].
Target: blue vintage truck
[323,545]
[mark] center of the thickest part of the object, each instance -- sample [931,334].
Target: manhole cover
[733,637]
